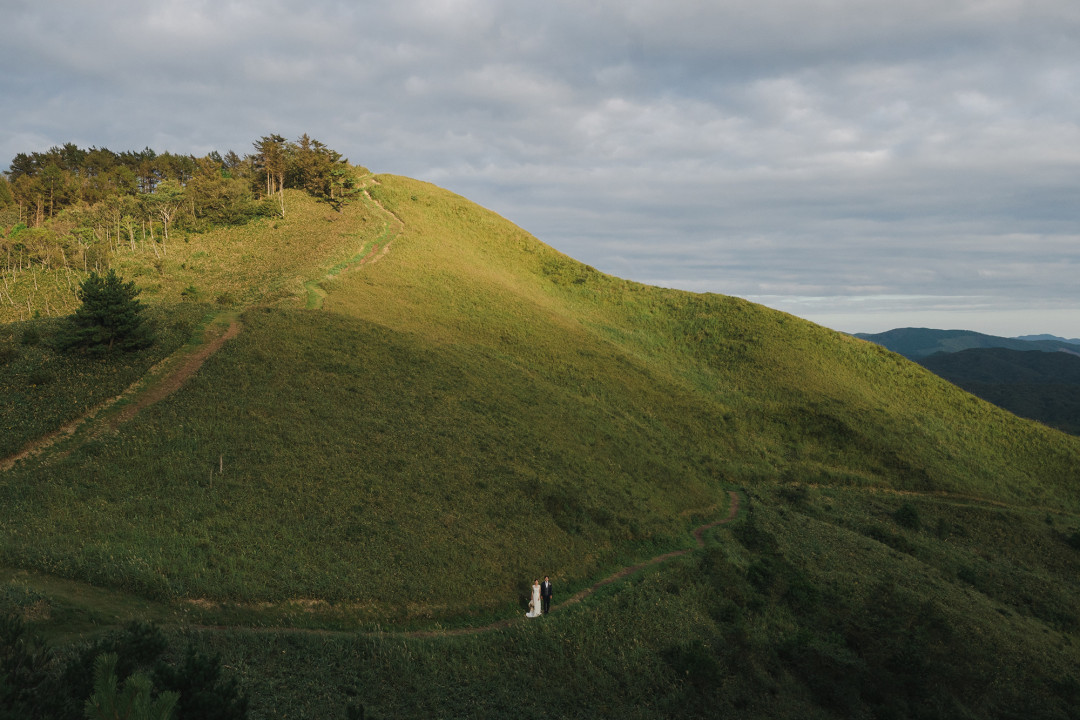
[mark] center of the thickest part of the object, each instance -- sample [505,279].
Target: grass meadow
[816,603]
[427,407]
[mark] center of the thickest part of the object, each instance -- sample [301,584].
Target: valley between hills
[366,425]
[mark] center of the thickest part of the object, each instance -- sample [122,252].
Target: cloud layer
[863,163]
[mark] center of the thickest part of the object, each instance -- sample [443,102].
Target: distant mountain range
[1034,376]
[915,343]
[1044,336]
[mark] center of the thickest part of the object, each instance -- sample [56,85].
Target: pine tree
[108,317]
[204,693]
[24,670]
[132,701]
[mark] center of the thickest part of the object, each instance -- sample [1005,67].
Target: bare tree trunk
[153,244]
[164,229]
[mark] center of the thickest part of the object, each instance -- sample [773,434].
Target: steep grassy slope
[787,397]
[473,409]
[822,605]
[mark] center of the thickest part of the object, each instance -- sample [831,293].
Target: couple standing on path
[540,603]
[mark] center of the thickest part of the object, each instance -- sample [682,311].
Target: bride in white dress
[534,603]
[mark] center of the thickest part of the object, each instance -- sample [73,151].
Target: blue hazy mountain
[1044,336]
[915,343]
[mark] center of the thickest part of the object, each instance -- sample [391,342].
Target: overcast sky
[866,164]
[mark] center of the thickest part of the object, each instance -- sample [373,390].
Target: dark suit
[545,596]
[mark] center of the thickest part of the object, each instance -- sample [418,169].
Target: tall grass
[265,261]
[797,610]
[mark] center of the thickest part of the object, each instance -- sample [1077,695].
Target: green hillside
[426,407]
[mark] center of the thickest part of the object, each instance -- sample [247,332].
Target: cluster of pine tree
[67,206]
[124,674]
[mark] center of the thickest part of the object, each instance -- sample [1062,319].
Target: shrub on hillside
[135,699]
[204,693]
[907,516]
[137,646]
[31,335]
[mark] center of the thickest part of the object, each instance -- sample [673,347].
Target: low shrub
[907,516]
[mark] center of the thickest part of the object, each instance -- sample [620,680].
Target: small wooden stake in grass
[221,464]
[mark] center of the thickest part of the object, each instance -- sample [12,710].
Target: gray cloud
[853,161]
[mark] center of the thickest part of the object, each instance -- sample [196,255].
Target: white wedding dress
[534,604]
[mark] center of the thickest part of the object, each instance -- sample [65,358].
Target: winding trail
[177,376]
[699,539]
[159,382]
[367,255]
[170,374]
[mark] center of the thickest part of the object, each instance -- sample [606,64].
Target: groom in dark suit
[545,595]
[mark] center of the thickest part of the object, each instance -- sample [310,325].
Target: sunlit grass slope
[475,409]
[772,396]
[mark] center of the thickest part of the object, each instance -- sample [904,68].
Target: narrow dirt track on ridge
[175,379]
[378,250]
[147,393]
[698,533]
[143,394]
[699,539]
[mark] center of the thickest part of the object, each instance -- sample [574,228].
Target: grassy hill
[427,407]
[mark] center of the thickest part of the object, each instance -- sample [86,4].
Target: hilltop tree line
[68,206]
